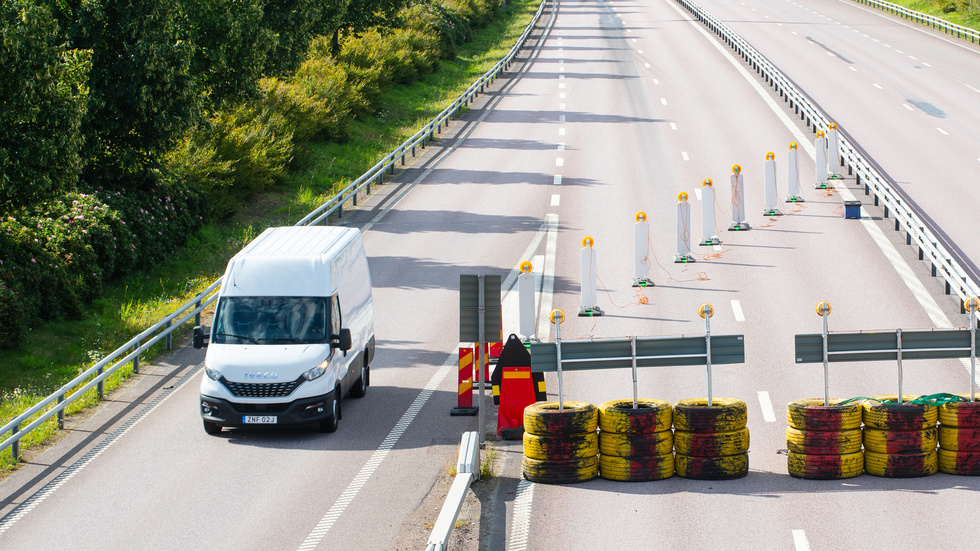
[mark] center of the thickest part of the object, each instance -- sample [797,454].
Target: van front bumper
[234,414]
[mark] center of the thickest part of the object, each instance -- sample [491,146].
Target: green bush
[450,25]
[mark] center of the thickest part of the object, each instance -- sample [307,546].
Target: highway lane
[908,94]
[662,72]
[635,126]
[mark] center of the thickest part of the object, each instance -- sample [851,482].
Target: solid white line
[557,180]
[737,310]
[684,156]
[555,200]
[766,404]
[520,527]
[559,161]
[339,506]
[799,539]
[543,326]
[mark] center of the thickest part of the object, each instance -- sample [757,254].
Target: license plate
[259,419]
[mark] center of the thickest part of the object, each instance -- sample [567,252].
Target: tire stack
[560,447]
[635,445]
[824,441]
[959,437]
[712,442]
[899,439]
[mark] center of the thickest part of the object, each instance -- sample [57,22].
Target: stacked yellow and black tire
[824,441]
[560,447]
[635,444]
[959,437]
[711,442]
[899,439]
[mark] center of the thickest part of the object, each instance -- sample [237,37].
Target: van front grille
[262,390]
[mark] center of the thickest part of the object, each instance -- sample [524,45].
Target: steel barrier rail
[135,346]
[130,352]
[908,216]
[935,22]
[467,471]
[376,174]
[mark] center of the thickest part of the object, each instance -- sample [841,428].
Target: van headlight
[316,372]
[212,374]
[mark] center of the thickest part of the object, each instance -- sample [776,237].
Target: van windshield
[272,320]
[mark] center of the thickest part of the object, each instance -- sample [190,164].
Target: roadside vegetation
[145,215]
[961,12]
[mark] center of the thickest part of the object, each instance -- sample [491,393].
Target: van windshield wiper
[287,339]
[249,339]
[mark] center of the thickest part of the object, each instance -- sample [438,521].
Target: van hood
[248,363]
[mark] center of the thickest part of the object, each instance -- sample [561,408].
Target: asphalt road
[621,107]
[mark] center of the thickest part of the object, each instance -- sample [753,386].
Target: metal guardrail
[130,352]
[946,259]
[467,471]
[935,22]
[420,139]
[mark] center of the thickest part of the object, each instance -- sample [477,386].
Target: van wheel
[331,423]
[361,385]
[211,427]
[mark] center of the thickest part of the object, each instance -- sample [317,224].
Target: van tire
[212,428]
[330,424]
[361,384]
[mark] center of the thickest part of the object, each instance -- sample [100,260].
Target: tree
[362,15]
[142,96]
[41,109]
[296,23]
[230,47]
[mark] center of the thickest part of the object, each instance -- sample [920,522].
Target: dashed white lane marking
[561,146]
[561,106]
[646,65]
[561,95]
[768,414]
[639,52]
[634,40]
[878,86]
[663,101]
[555,200]
[697,193]
[907,106]
[561,118]
[557,180]
[345,499]
[559,161]
[673,126]
[913,58]
[561,68]
[799,540]
[522,516]
[831,54]
[684,156]
[737,310]
[926,64]
[561,85]
[943,132]
[655,81]
[561,131]
[852,68]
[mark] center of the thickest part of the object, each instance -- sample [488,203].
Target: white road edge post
[772,198]
[794,194]
[588,272]
[833,153]
[710,232]
[738,201]
[820,145]
[683,255]
[641,251]
[525,299]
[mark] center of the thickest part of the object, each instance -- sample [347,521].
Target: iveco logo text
[262,375]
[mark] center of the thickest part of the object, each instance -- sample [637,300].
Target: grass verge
[58,352]
[958,12]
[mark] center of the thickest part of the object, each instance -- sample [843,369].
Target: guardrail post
[136,359]
[197,316]
[15,447]
[170,337]
[100,388]
[61,413]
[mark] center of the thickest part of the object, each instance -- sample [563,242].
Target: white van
[293,331]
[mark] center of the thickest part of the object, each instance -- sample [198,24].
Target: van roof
[289,261]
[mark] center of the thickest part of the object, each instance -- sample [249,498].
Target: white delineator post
[833,153]
[641,251]
[710,233]
[525,299]
[588,272]
[738,201]
[820,145]
[793,174]
[772,198]
[683,230]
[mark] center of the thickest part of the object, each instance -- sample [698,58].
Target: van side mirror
[201,336]
[343,340]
